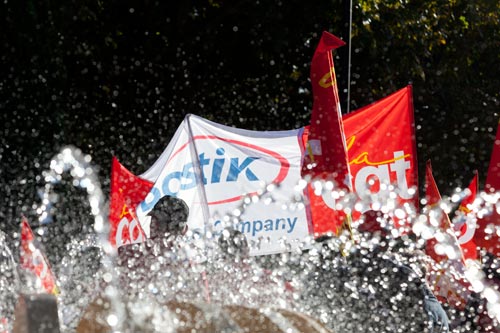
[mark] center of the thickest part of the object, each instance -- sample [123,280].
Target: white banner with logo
[213,167]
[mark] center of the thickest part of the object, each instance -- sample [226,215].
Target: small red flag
[465,224]
[486,235]
[433,198]
[325,156]
[127,191]
[4,325]
[493,177]
[448,286]
[33,260]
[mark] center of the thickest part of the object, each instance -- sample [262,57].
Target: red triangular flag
[325,156]
[492,183]
[326,150]
[449,287]
[486,234]
[466,230]
[433,199]
[33,260]
[4,325]
[127,191]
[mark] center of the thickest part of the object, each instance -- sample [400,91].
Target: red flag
[464,224]
[325,156]
[469,199]
[127,191]
[4,325]
[326,151]
[448,283]
[486,234]
[382,149]
[493,177]
[432,195]
[433,199]
[33,260]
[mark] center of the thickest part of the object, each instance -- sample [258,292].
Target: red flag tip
[329,42]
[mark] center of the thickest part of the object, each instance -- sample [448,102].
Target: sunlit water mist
[324,279]
[9,282]
[71,160]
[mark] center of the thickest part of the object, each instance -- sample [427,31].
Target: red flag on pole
[33,260]
[493,177]
[445,278]
[326,151]
[486,235]
[438,219]
[382,149]
[325,156]
[127,191]
[471,196]
[464,224]
[4,325]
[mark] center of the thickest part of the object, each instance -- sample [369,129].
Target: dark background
[117,77]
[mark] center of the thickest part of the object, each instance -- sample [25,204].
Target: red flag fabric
[33,260]
[326,151]
[4,325]
[469,199]
[486,234]
[465,225]
[448,283]
[433,198]
[432,195]
[325,156]
[382,149]
[127,191]
[492,183]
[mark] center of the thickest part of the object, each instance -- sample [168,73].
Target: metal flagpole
[197,172]
[349,60]
[203,196]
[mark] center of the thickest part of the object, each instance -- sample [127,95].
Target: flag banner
[492,183]
[486,234]
[382,150]
[446,273]
[438,221]
[465,220]
[127,191]
[33,260]
[325,155]
[326,152]
[213,168]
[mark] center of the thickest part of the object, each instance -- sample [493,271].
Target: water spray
[77,164]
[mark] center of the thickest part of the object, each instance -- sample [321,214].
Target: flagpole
[203,196]
[349,59]
[197,171]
